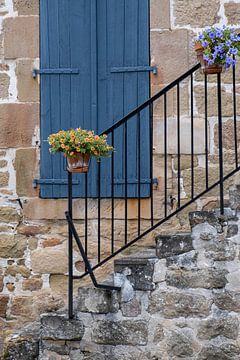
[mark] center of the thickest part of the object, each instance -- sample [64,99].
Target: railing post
[70,250]
[219,90]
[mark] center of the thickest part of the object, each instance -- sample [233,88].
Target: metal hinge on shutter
[61,71]
[135,181]
[37,182]
[123,69]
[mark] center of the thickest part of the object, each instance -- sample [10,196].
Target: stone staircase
[178,300]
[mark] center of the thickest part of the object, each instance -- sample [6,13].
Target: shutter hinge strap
[123,69]
[37,182]
[61,71]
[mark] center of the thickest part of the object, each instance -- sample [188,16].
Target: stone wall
[33,231]
[181,304]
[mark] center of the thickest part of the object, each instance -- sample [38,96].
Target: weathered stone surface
[57,327]
[14,270]
[94,300]
[210,217]
[27,86]
[228,135]
[25,165]
[170,245]
[225,351]
[3,305]
[4,85]
[4,178]
[227,300]
[26,7]
[19,41]
[232,230]
[158,334]
[185,137]
[1,283]
[51,242]
[221,250]
[3,163]
[22,349]
[18,122]
[160,14]
[219,325]
[181,343]
[234,198]
[140,271]
[12,246]
[22,306]
[205,278]
[131,308]
[32,230]
[125,332]
[169,45]
[191,13]
[50,260]
[32,243]
[58,346]
[59,284]
[232,12]
[184,261]
[32,284]
[174,304]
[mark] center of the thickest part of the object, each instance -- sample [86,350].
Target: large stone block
[26,7]
[160,14]
[18,122]
[223,351]
[4,85]
[27,86]
[21,37]
[196,13]
[205,278]
[167,45]
[58,327]
[232,12]
[3,305]
[170,245]
[125,332]
[4,178]
[219,325]
[228,135]
[173,304]
[227,300]
[185,135]
[12,246]
[22,349]
[26,168]
[50,260]
[182,343]
[94,300]
[9,215]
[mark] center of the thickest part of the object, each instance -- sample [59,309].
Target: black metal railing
[164,107]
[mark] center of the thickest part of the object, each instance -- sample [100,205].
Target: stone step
[138,269]
[172,245]
[95,301]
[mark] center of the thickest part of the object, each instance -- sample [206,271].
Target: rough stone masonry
[33,232]
[180,302]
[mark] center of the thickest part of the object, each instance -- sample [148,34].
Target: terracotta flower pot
[78,162]
[207,69]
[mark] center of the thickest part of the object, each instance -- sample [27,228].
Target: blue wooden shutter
[93,56]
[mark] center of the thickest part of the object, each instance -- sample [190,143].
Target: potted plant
[78,146]
[217,48]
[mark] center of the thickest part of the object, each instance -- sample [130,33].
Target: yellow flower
[71,153]
[62,146]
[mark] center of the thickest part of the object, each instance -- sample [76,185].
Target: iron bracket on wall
[61,71]
[123,69]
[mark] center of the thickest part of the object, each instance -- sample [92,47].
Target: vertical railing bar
[99,208]
[126,181]
[112,194]
[139,172]
[220,143]
[165,156]
[206,127]
[70,250]
[151,160]
[235,116]
[86,215]
[178,146]
[192,141]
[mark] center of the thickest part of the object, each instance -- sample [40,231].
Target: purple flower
[233,51]
[212,35]
[205,43]
[210,62]
[205,57]
[228,42]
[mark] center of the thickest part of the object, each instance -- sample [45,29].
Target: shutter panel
[94,70]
